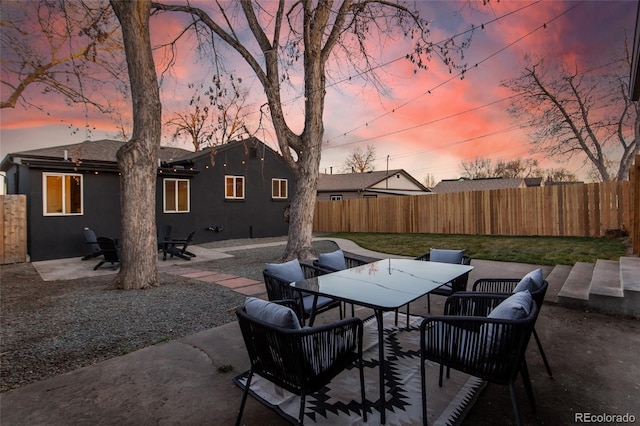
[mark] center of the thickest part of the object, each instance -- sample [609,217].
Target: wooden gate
[13,228]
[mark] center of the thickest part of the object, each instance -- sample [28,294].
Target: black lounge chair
[164,236]
[110,250]
[91,241]
[178,248]
[300,360]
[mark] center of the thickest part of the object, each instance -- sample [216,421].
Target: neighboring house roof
[463,185]
[552,183]
[366,181]
[535,181]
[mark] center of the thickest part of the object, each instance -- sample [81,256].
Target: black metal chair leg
[544,357]
[514,402]
[362,394]
[524,372]
[428,303]
[423,383]
[303,397]
[244,398]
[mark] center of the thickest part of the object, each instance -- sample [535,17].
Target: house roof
[358,181]
[100,151]
[250,142]
[463,185]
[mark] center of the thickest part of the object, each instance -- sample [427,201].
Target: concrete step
[575,291]
[606,279]
[630,277]
[630,273]
[556,279]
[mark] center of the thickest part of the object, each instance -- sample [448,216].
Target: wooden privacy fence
[13,228]
[584,210]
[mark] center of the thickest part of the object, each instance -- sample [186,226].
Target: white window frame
[335,197]
[234,196]
[279,196]
[64,195]
[175,183]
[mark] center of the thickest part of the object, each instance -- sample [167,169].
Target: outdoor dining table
[385,285]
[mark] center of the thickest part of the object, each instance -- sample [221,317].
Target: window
[370,196]
[234,187]
[336,198]
[279,188]
[62,194]
[176,196]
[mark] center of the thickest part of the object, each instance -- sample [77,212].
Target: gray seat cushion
[272,313]
[532,281]
[290,271]
[334,260]
[446,256]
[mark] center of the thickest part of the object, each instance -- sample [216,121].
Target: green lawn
[534,250]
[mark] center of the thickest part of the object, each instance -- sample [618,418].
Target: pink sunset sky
[410,128]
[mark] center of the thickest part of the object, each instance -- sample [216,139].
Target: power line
[460,74]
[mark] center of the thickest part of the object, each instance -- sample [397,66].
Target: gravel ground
[49,328]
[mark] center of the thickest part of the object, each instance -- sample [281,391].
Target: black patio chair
[300,360]
[277,280]
[466,338]
[178,248]
[92,242]
[110,251]
[507,286]
[459,284]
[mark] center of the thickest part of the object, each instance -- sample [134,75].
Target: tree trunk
[302,208]
[137,159]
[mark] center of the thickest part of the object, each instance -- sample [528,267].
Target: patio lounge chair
[92,242]
[537,286]
[300,360]
[178,248]
[110,251]
[164,236]
[481,341]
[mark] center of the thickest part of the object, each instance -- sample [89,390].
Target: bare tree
[137,159]
[429,181]
[360,161]
[517,168]
[215,115]
[479,168]
[558,175]
[307,34]
[73,51]
[585,114]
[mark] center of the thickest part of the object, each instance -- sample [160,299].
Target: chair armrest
[311,271]
[496,285]
[472,303]
[352,261]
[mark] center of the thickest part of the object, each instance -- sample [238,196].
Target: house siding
[258,215]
